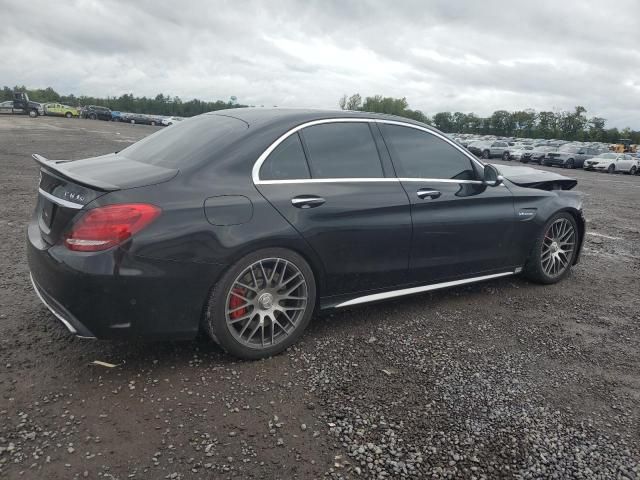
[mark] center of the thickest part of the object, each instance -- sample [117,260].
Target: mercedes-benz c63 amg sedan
[244,222]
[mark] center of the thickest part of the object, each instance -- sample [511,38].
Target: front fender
[535,207]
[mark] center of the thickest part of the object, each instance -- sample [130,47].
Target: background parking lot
[500,379]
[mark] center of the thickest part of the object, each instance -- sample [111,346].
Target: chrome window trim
[327,180]
[60,201]
[440,180]
[425,288]
[255,172]
[370,180]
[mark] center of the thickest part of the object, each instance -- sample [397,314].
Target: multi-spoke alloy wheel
[262,304]
[266,302]
[557,247]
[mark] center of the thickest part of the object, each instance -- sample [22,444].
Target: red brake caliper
[235,302]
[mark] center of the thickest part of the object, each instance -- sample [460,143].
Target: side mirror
[492,177]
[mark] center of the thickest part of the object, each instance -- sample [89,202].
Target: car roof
[265,116]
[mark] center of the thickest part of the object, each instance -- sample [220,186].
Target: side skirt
[374,297]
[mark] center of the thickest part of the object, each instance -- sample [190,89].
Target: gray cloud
[442,55]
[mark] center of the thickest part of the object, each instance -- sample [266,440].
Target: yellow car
[60,110]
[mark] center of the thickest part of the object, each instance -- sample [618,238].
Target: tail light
[104,227]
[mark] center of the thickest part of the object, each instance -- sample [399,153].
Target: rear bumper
[73,325]
[113,294]
[553,161]
[476,151]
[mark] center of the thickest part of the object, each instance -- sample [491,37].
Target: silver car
[490,149]
[613,162]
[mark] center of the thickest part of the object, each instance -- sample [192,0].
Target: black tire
[215,323]
[486,154]
[632,171]
[570,163]
[153,124]
[33,113]
[611,169]
[68,115]
[533,269]
[93,116]
[505,156]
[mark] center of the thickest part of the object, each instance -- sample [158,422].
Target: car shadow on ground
[136,354]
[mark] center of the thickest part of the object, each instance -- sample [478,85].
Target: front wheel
[611,169]
[68,115]
[486,154]
[633,170]
[261,305]
[33,113]
[505,156]
[570,163]
[554,250]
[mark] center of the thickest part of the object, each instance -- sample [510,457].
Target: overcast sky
[443,55]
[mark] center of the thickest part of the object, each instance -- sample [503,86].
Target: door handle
[307,201]
[425,192]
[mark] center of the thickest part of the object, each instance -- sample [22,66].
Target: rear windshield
[186,143]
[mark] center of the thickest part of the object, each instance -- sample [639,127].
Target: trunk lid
[67,187]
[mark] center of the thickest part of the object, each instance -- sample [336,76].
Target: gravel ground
[504,379]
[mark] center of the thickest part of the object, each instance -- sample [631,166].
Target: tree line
[563,125]
[529,123]
[159,105]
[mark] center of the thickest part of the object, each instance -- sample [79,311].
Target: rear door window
[342,150]
[286,162]
[419,154]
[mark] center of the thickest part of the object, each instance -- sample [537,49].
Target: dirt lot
[501,379]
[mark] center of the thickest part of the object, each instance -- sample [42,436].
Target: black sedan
[244,222]
[96,112]
[141,119]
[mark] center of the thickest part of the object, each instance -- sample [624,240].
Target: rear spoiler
[57,167]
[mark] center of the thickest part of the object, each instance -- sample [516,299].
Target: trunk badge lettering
[73,196]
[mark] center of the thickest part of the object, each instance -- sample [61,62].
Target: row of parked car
[97,112]
[556,153]
[21,105]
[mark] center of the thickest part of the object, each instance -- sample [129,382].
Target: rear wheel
[505,156]
[611,169]
[486,154]
[554,250]
[262,304]
[570,163]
